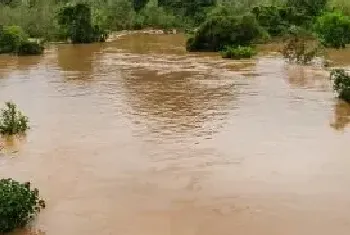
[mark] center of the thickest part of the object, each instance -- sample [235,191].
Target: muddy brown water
[137,137]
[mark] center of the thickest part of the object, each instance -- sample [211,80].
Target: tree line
[40,18]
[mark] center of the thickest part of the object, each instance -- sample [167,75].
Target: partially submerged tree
[77,22]
[12,121]
[341,83]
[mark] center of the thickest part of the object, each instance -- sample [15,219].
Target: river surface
[137,137]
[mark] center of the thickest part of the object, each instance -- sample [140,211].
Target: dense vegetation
[333,29]
[88,20]
[14,40]
[41,18]
[19,204]
[12,121]
[320,18]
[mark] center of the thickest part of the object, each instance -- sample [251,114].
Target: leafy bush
[11,38]
[334,29]
[18,204]
[341,83]
[238,52]
[217,32]
[12,121]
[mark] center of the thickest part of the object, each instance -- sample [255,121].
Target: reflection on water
[144,44]
[174,102]
[10,64]
[308,77]
[29,232]
[341,115]
[137,137]
[11,144]
[76,61]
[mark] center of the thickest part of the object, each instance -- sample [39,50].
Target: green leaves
[238,52]
[12,121]
[333,29]
[19,203]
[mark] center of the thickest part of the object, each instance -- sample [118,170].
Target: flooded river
[137,137]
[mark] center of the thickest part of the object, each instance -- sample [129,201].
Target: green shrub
[11,38]
[238,52]
[12,121]
[333,29]
[341,83]
[18,204]
[217,32]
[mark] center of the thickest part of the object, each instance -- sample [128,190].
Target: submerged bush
[19,204]
[238,52]
[301,46]
[333,29]
[217,32]
[30,48]
[341,83]
[12,121]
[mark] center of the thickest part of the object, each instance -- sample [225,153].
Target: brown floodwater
[137,137]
